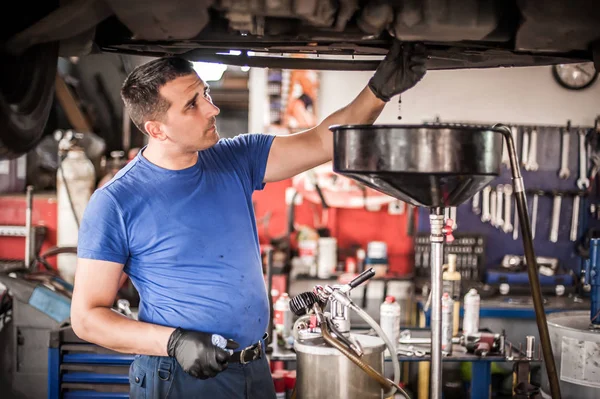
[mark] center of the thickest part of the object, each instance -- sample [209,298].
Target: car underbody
[292,34]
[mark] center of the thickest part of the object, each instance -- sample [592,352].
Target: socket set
[469,250]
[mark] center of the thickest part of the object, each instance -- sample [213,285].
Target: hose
[365,316]
[384,382]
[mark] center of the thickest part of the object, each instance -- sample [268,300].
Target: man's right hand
[196,354]
[402,68]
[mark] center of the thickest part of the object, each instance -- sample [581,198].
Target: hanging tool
[534,212]
[525,148]
[564,172]
[575,218]
[453,211]
[532,164]
[475,206]
[508,190]
[583,182]
[493,208]
[554,224]
[499,207]
[485,214]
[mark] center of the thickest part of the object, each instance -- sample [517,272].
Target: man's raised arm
[401,69]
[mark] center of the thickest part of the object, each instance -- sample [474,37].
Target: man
[178,220]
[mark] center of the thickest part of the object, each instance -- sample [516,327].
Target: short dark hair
[140,91]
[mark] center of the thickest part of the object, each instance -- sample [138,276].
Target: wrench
[516,224]
[525,148]
[485,213]
[564,172]
[508,190]
[410,350]
[583,182]
[499,208]
[575,218]
[534,210]
[554,224]
[453,217]
[475,207]
[532,157]
[493,209]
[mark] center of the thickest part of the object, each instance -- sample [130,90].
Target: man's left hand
[402,68]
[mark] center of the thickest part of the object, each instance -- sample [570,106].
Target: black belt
[249,353]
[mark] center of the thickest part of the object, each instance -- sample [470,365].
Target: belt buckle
[256,348]
[242,355]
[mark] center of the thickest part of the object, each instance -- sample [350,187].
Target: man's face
[189,122]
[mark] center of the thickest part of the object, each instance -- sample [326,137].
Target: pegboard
[499,243]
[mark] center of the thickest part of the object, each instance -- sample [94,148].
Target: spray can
[283,320]
[389,319]
[471,318]
[451,284]
[447,322]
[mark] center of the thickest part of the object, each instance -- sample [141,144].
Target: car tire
[26,97]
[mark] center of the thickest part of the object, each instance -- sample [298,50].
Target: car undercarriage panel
[355,35]
[458,33]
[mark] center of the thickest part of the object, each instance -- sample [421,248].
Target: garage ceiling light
[210,72]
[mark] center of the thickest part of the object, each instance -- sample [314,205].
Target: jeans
[156,377]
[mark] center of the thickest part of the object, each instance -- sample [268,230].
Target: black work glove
[196,354]
[401,69]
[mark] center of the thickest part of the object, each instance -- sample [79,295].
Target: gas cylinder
[75,182]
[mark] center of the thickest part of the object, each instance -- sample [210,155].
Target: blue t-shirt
[188,238]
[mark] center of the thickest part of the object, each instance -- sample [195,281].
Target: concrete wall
[510,95]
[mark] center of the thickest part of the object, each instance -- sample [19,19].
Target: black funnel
[437,165]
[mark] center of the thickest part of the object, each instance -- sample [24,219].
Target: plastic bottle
[377,258]
[389,319]
[447,321]
[471,317]
[326,257]
[451,284]
[283,320]
[308,242]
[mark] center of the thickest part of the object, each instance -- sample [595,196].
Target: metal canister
[324,372]
[447,323]
[472,303]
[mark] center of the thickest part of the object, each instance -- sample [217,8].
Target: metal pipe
[436,220]
[28,228]
[532,270]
